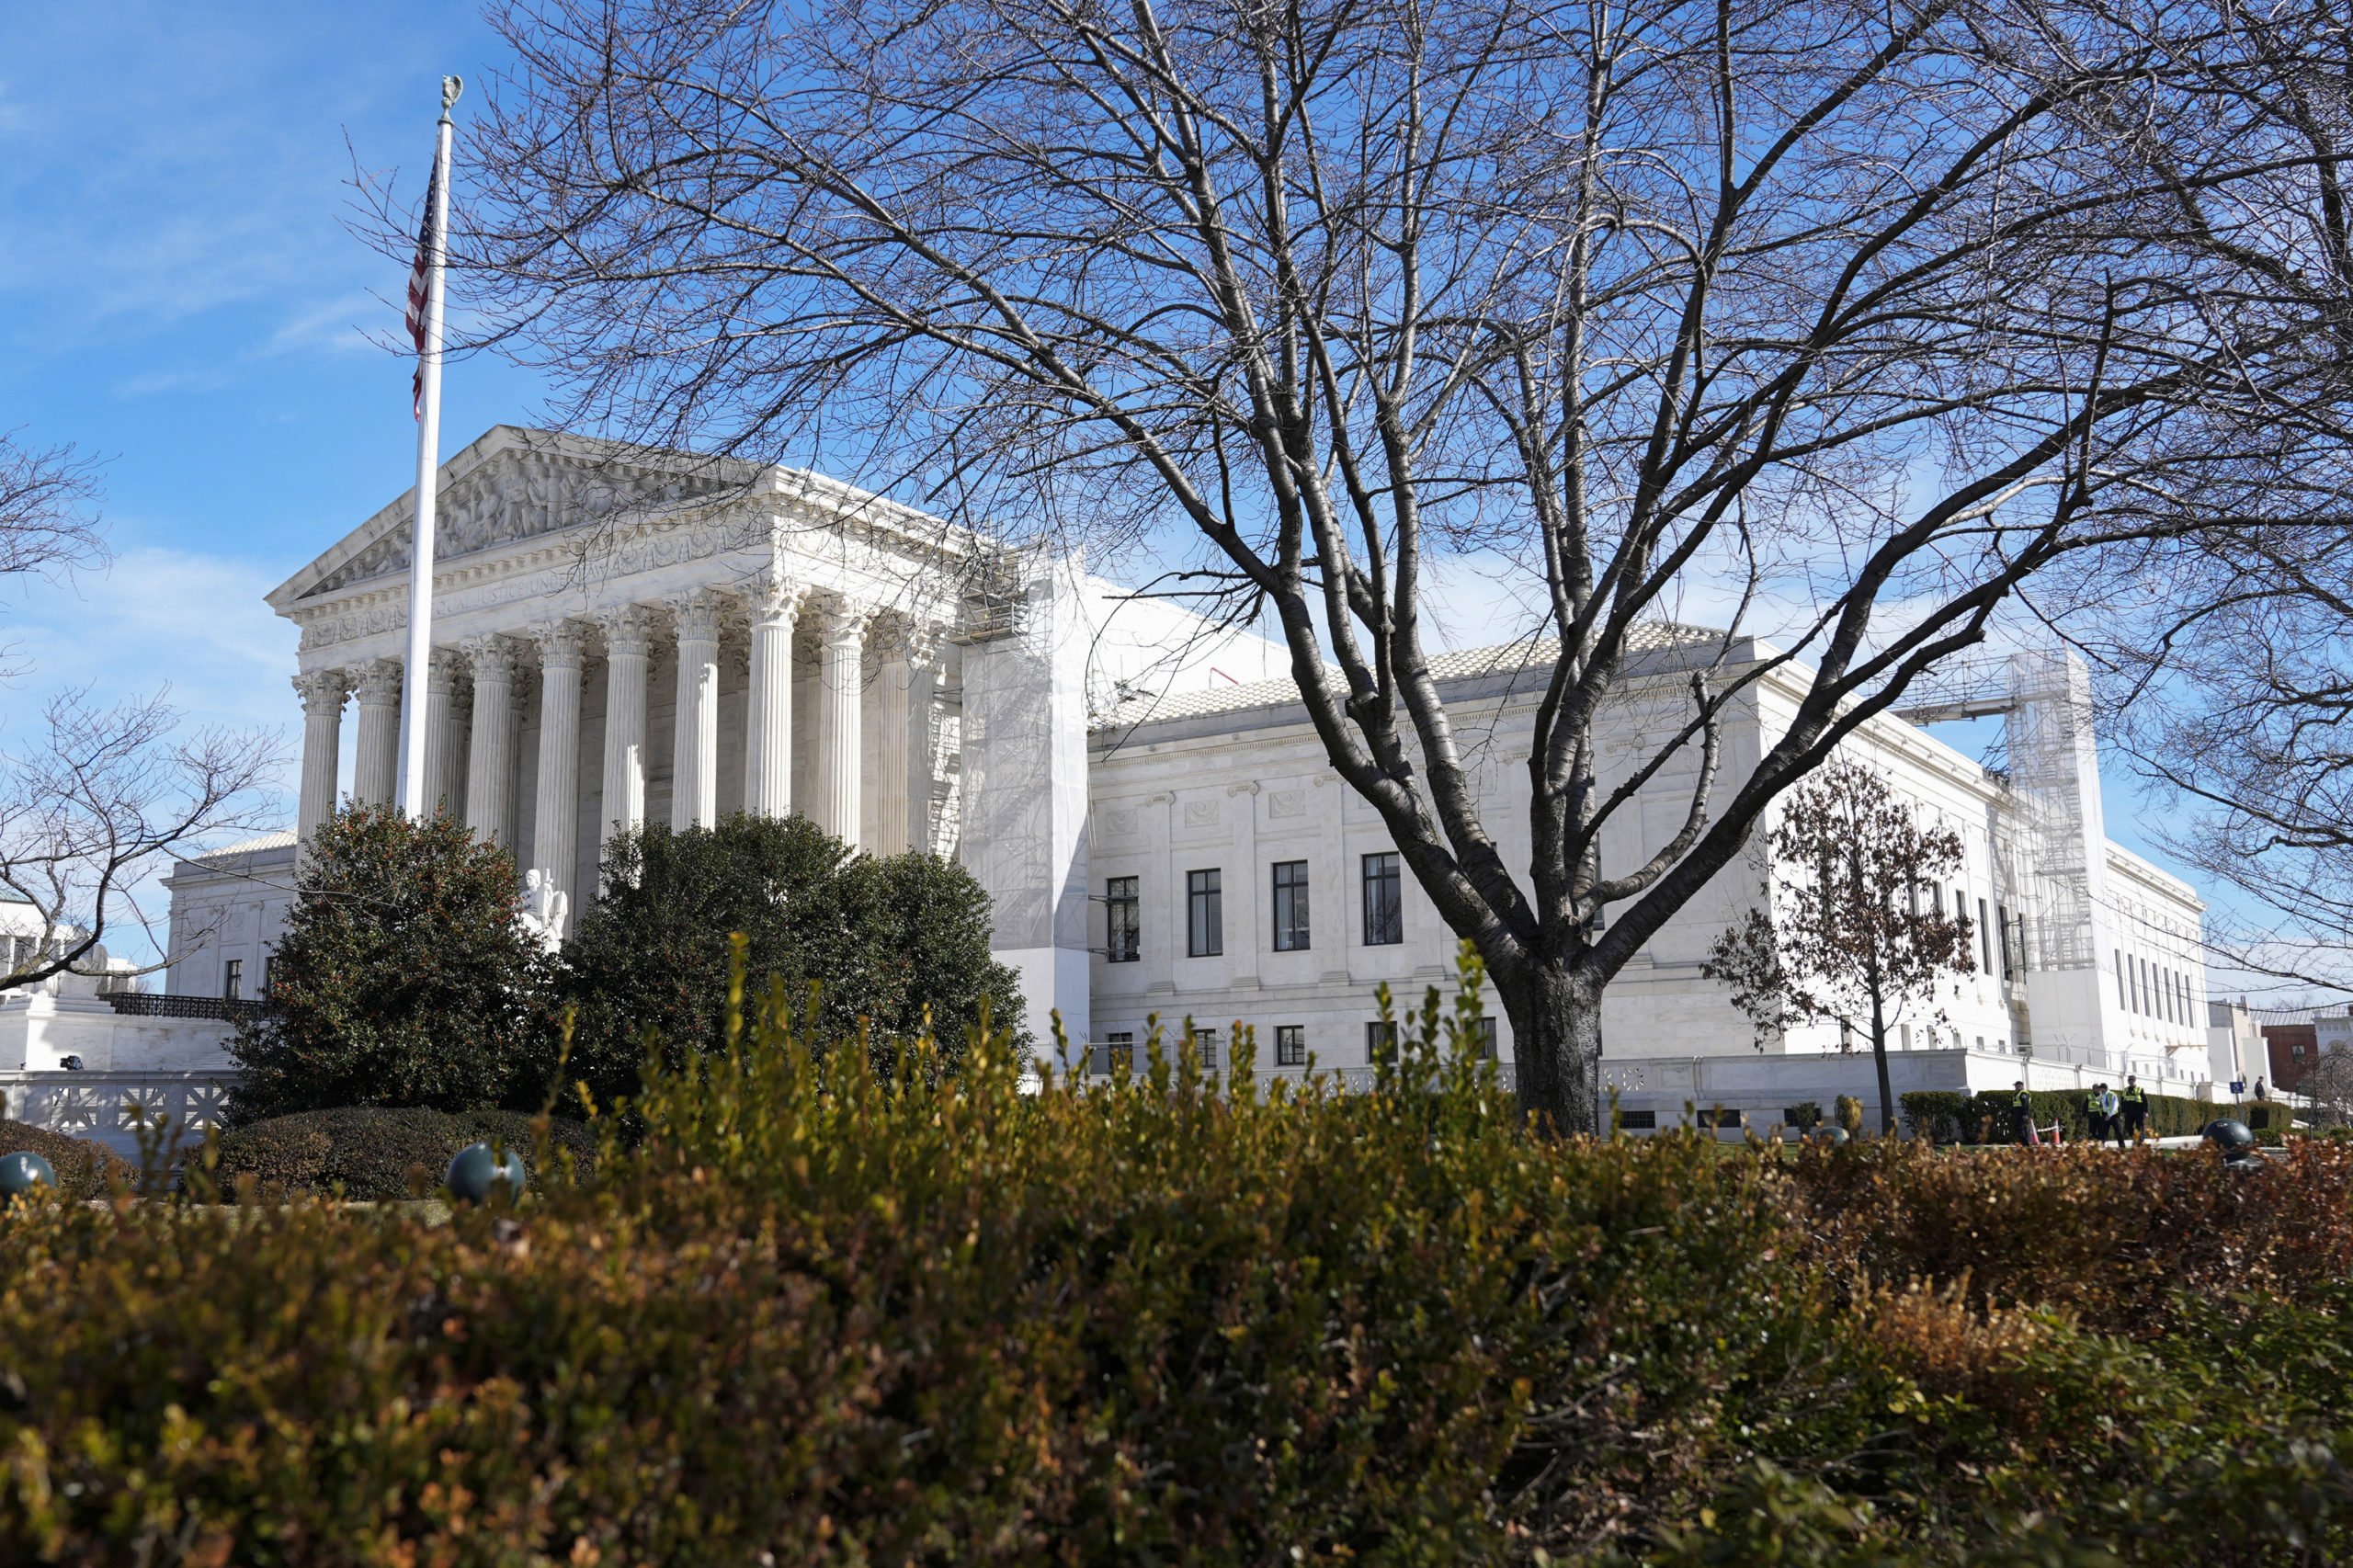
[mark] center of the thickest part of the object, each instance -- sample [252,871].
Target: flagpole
[415,686]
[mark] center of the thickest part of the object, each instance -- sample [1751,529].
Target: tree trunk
[1878,1060]
[1556,1049]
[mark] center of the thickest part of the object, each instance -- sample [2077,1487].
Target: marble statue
[546,907]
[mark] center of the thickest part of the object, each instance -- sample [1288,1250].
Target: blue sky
[178,291]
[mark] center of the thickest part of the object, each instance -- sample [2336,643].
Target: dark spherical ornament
[21,1172]
[473,1172]
[1831,1135]
[2232,1140]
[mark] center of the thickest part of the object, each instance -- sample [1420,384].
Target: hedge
[819,1315]
[84,1169]
[1944,1116]
[372,1154]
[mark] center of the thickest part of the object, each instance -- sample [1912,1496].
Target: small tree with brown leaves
[1846,937]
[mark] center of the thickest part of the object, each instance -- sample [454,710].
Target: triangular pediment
[512,485]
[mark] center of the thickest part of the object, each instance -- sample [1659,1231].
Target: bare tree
[1844,935]
[1843,320]
[49,519]
[95,808]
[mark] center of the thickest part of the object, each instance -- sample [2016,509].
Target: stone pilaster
[555,815]
[694,787]
[905,655]
[837,775]
[375,773]
[627,635]
[768,730]
[490,761]
[322,692]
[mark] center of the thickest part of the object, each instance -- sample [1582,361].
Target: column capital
[491,657]
[774,598]
[562,645]
[843,621]
[696,614]
[919,642]
[323,691]
[380,681]
[628,628]
[442,671]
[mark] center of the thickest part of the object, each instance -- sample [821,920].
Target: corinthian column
[555,815]
[893,680]
[841,651]
[490,764]
[445,747]
[322,692]
[626,637]
[694,778]
[768,738]
[375,773]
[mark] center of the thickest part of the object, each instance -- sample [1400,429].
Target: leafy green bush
[402,979]
[84,1169]
[888,938]
[366,1152]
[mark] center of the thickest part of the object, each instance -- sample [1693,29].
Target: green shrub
[1850,1112]
[84,1169]
[402,979]
[1804,1116]
[366,1152]
[891,938]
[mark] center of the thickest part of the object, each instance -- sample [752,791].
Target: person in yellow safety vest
[2136,1112]
[2021,1113]
[2100,1109]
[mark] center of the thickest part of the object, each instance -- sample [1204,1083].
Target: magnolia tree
[1838,323]
[1852,931]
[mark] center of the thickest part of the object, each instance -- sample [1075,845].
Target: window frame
[232,979]
[1293,907]
[1384,871]
[1290,1045]
[1116,905]
[1205,913]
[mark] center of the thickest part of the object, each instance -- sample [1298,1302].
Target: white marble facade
[622,635]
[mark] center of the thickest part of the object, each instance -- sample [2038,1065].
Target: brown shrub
[84,1169]
[2106,1237]
[367,1153]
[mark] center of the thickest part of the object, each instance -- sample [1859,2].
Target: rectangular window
[1638,1121]
[1205,1046]
[232,979]
[264,992]
[1204,914]
[1718,1116]
[1960,906]
[1122,921]
[2002,919]
[2123,1000]
[1905,1031]
[1290,1045]
[1384,901]
[1380,1040]
[1291,906]
[1984,940]
[1489,1037]
[1117,1052]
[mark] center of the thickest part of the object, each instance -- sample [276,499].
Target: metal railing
[146,1005]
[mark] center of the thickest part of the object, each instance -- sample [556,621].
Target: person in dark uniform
[2021,1113]
[2098,1108]
[2136,1112]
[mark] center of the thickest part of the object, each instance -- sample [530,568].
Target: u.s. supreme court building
[624,635]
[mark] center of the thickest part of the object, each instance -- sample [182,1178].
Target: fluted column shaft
[626,661]
[445,747]
[490,762]
[893,680]
[323,693]
[693,778]
[840,721]
[555,812]
[768,737]
[375,771]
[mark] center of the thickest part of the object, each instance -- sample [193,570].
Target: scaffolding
[2046,857]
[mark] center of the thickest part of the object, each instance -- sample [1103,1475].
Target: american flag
[419,280]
